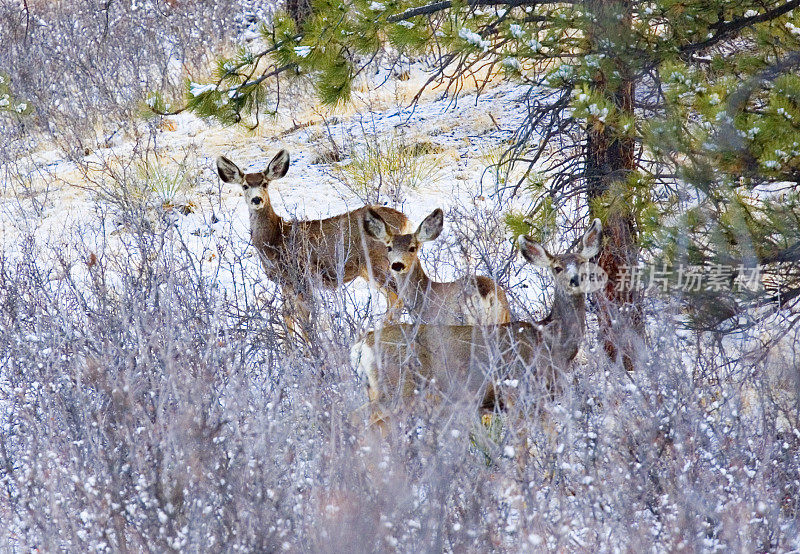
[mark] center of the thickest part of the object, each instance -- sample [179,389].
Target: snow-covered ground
[460,139]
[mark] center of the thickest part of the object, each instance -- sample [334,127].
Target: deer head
[254,185]
[403,249]
[568,270]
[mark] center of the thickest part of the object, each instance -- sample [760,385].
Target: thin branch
[27,18]
[447,4]
[727,29]
[728,136]
[790,254]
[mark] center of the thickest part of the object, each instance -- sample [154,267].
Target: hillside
[161,391]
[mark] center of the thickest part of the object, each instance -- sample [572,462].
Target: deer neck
[567,319]
[414,287]
[266,228]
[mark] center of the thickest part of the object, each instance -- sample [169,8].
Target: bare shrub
[146,408]
[84,67]
[387,168]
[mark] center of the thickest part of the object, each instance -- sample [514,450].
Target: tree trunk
[610,158]
[299,10]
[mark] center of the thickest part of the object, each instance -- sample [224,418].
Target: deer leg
[395,305]
[385,284]
[518,429]
[378,421]
[296,314]
[362,358]
[521,442]
[288,314]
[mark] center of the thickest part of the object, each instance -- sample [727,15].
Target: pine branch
[790,254]
[739,98]
[447,4]
[728,136]
[233,71]
[261,79]
[421,10]
[728,29]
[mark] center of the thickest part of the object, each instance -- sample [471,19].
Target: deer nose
[575,281]
[398,266]
[256,200]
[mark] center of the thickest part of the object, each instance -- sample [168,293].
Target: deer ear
[534,252]
[431,226]
[278,167]
[375,226]
[591,240]
[228,171]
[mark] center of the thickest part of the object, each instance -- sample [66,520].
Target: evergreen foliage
[10,103]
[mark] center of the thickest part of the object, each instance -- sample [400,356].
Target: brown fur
[332,249]
[485,285]
[469,300]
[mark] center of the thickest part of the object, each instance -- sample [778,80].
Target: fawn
[301,255]
[488,363]
[471,300]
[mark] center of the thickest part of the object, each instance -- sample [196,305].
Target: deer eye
[412,248]
[558,269]
[245,187]
[389,248]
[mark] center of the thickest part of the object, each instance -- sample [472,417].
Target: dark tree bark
[299,10]
[610,158]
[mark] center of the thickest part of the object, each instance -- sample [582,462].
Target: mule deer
[298,254]
[471,300]
[488,363]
